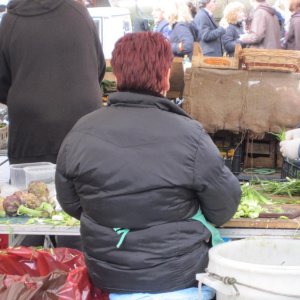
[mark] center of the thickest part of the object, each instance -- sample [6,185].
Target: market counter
[244,227]
[235,228]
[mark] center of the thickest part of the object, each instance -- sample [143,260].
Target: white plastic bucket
[263,268]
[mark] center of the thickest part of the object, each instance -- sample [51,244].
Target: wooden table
[234,229]
[244,227]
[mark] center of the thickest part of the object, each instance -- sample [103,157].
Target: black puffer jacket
[51,63]
[144,165]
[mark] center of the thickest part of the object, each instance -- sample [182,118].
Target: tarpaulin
[239,100]
[55,274]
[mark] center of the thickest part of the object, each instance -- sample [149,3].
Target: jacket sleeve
[65,188]
[218,190]
[5,78]
[258,30]
[185,36]
[5,73]
[205,32]
[229,41]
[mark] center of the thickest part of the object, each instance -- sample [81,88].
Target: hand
[242,37]
[290,149]
[180,47]
[223,23]
[292,134]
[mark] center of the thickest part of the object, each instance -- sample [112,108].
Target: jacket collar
[144,100]
[211,18]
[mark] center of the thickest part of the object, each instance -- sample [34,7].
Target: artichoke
[11,205]
[40,189]
[29,199]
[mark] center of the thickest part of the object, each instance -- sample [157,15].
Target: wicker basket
[3,137]
[270,60]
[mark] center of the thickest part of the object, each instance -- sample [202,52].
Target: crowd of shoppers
[263,27]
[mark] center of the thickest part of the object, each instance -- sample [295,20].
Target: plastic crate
[18,175]
[234,163]
[290,169]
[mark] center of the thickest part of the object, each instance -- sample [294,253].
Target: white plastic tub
[263,268]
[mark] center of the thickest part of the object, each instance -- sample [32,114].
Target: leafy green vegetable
[250,203]
[291,187]
[58,219]
[281,135]
[45,210]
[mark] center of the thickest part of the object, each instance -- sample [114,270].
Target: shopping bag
[45,274]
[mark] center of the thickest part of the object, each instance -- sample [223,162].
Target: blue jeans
[186,294]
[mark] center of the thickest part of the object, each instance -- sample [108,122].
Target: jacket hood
[267,7]
[32,7]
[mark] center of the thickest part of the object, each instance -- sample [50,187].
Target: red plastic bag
[55,274]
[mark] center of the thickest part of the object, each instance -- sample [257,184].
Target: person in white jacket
[290,148]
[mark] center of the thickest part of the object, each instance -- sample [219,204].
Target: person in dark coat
[181,37]
[142,176]
[51,64]
[234,16]
[209,33]
[293,36]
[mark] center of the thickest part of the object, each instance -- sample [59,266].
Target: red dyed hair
[140,62]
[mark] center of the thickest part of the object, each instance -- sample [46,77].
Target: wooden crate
[261,153]
[176,79]
[200,61]
[270,60]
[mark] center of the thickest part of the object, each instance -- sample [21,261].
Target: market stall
[242,100]
[285,224]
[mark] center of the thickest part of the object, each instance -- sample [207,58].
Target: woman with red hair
[141,175]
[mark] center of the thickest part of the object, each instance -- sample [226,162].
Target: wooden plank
[277,210]
[259,162]
[176,79]
[109,76]
[264,223]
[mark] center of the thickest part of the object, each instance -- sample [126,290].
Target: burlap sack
[239,100]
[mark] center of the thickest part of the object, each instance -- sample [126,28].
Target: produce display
[258,197]
[291,187]
[250,205]
[35,203]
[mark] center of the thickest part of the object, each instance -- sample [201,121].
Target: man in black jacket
[209,33]
[140,175]
[51,63]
